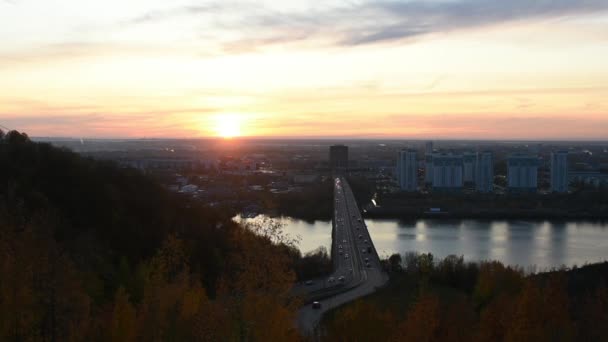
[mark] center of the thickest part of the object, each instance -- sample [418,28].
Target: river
[542,245]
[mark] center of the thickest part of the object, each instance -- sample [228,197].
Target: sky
[449,69]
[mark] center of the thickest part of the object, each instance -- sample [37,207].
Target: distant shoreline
[399,213]
[447,216]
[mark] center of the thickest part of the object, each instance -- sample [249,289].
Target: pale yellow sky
[460,69]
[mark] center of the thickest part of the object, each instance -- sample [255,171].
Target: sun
[228,125]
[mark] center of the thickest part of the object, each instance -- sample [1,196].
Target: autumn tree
[542,313]
[361,321]
[172,298]
[258,285]
[422,321]
[41,294]
[123,324]
[593,316]
[494,280]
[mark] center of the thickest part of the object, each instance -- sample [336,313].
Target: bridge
[357,270]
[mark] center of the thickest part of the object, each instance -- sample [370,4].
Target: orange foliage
[422,321]
[123,321]
[542,314]
[41,295]
[362,321]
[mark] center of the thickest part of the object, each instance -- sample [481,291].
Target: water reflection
[544,244]
[311,235]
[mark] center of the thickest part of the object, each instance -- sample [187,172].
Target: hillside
[91,251]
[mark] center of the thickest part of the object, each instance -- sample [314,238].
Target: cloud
[160,15]
[372,21]
[404,19]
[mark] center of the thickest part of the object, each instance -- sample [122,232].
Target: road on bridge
[355,259]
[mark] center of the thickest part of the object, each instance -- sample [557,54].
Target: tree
[260,279]
[123,325]
[495,279]
[593,321]
[496,318]
[41,294]
[395,262]
[542,313]
[422,321]
[361,321]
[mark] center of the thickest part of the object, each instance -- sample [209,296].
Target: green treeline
[93,252]
[451,300]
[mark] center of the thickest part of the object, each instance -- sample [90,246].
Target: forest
[453,300]
[93,252]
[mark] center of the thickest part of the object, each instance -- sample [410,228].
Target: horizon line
[317,138]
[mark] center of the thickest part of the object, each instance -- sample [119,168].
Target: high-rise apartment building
[468,168]
[428,147]
[447,172]
[338,157]
[428,163]
[428,168]
[484,172]
[407,170]
[522,173]
[559,171]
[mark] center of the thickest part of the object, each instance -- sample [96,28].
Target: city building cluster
[451,172]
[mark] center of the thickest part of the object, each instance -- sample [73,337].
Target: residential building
[428,168]
[429,147]
[522,173]
[468,168]
[338,157]
[559,171]
[447,172]
[407,170]
[484,172]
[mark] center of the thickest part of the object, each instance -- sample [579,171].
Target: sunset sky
[464,69]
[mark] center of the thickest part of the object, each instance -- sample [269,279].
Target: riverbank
[588,206]
[554,215]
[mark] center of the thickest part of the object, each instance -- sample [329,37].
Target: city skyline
[463,70]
